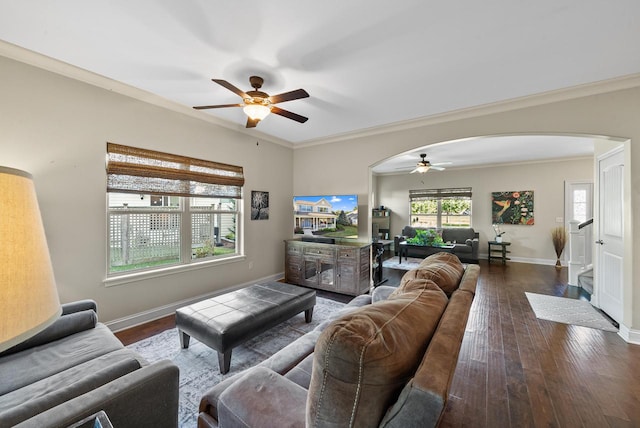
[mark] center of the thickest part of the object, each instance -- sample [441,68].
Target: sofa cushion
[26,402]
[68,324]
[458,234]
[261,398]
[444,269]
[301,374]
[31,365]
[424,398]
[363,359]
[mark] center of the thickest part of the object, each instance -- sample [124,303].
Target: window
[195,219]
[440,207]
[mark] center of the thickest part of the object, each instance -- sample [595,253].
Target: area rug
[199,364]
[407,264]
[568,311]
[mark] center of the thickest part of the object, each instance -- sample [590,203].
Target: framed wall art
[259,205]
[512,207]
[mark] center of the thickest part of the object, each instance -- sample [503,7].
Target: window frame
[438,195]
[185,210]
[138,171]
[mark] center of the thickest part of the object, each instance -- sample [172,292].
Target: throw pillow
[363,359]
[445,269]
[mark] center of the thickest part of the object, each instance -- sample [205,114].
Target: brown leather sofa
[386,359]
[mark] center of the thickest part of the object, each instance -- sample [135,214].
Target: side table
[498,250]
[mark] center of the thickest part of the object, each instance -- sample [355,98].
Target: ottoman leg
[184,339]
[308,314]
[224,361]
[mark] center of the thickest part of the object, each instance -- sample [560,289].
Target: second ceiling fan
[257,104]
[424,165]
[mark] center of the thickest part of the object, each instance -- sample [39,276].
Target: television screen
[326,216]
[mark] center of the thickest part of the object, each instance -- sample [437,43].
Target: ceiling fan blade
[441,163]
[288,114]
[252,123]
[437,168]
[288,96]
[230,87]
[415,170]
[218,106]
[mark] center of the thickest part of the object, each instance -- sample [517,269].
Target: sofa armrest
[263,398]
[382,292]
[64,326]
[80,305]
[475,246]
[147,397]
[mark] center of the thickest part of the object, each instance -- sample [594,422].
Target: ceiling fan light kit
[256,111]
[424,165]
[257,104]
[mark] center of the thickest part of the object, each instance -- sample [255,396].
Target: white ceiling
[365,63]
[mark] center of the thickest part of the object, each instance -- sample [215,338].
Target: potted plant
[498,232]
[428,237]
[559,239]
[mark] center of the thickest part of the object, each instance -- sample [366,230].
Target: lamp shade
[28,297]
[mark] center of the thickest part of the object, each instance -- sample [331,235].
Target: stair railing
[580,248]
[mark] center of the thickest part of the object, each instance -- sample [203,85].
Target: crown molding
[53,65]
[563,94]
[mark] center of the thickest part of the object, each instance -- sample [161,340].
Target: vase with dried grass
[559,238]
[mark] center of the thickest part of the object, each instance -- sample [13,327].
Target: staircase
[585,280]
[580,254]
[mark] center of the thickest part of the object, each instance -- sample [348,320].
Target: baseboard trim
[162,311]
[629,335]
[548,262]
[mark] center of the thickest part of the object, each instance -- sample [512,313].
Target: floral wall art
[512,207]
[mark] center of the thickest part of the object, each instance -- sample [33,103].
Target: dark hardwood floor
[515,370]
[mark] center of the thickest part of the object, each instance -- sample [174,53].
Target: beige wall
[57,129]
[610,110]
[528,243]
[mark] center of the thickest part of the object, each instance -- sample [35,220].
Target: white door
[610,238]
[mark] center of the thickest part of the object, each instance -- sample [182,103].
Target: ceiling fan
[424,165]
[257,104]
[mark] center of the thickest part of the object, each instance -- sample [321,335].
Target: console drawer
[294,249]
[318,251]
[347,253]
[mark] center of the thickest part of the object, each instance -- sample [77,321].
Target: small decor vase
[499,239]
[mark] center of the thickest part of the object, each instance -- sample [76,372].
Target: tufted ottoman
[228,320]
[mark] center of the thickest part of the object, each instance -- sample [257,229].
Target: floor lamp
[28,297]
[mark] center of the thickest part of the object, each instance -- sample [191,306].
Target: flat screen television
[326,217]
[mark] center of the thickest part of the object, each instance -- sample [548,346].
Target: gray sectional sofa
[465,240]
[77,367]
[386,359]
